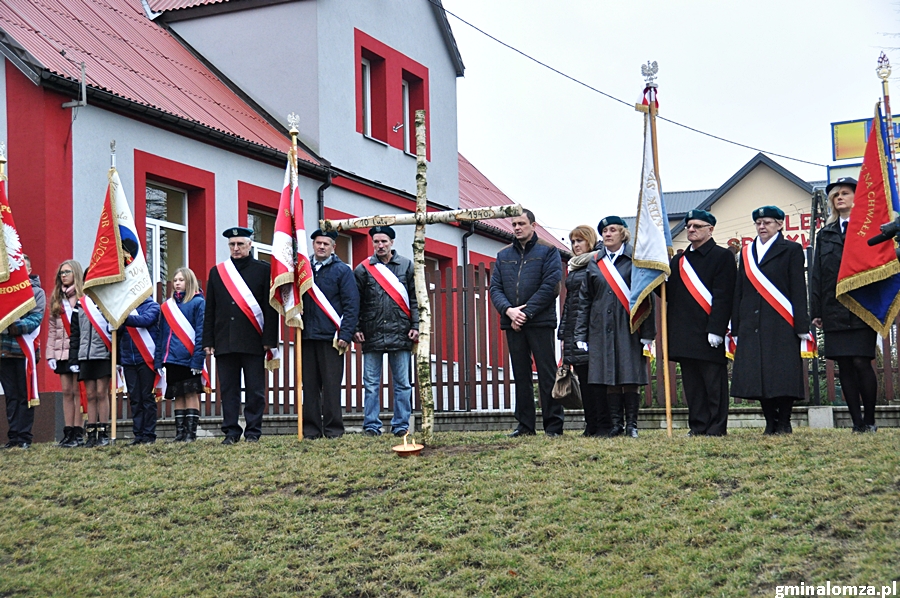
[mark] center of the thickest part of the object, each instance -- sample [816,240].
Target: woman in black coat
[848,340]
[596,413]
[767,362]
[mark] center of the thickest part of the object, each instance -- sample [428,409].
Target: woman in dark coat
[848,340]
[616,357]
[767,362]
[596,413]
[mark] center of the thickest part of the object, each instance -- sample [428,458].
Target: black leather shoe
[135,442]
[553,434]
[517,432]
[251,439]
[859,429]
[617,430]
[371,433]
[9,445]
[23,445]
[229,440]
[400,433]
[871,429]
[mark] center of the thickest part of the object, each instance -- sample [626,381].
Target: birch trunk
[423,350]
[471,215]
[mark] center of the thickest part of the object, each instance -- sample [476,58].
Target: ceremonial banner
[869,278]
[16,296]
[652,237]
[291,272]
[117,278]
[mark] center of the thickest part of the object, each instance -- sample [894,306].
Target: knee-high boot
[180,427]
[770,411]
[785,406]
[192,418]
[91,441]
[614,401]
[632,402]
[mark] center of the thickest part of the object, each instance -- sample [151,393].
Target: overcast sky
[771,74]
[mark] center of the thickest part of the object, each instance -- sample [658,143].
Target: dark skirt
[94,369]
[62,367]
[850,343]
[180,382]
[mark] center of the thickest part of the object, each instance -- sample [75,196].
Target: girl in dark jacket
[596,413]
[65,295]
[89,357]
[848,340]
[180,351]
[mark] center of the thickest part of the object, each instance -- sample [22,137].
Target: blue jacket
[169,349]
[336,281]
[147,316]
[530,276]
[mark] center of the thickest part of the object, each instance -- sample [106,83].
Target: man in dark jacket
[525,283]
[700,293]
[239,329]
[330,315]
[137,345]
[388,323]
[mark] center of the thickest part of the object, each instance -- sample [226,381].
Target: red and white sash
[694,285]
[97,320]
[26,343]
[622,291]
[775,298]
[248,304]
[325,305]
[390,283]
[66,316]
[146,346]
[185,332]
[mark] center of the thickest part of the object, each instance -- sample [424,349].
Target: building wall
[762,186]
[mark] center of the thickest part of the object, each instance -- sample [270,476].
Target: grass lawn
[477,514]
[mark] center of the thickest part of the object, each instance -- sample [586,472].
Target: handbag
[566,388]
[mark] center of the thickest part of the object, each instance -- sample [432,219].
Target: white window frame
[367,96]
[406,124]
[154,225]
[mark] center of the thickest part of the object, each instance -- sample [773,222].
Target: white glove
[74,369]
[804,337]
[714,340]
[646,341]
[195,372]
[52,364]
[582,345]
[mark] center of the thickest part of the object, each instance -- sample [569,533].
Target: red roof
[130,56]
[477,191]
[161,5]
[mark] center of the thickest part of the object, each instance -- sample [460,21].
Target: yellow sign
[849,138]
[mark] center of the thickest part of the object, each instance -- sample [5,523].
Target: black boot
[770,411]
[192,418]
[785,406]
[180,427]
[91,441]
[67,436]
[103,435]
[74,439]
[615,414]
[632,403]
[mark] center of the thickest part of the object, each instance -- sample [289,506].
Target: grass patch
[476,514]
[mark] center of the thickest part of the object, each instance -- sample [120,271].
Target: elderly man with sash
[388,323]
[330,315]
[240,328]
[700,295]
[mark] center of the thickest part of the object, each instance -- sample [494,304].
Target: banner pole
[113,388]
[884,71]
[298,383]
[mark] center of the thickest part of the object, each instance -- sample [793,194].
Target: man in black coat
[238,342]
[700,292]
[330,315]
[525,283]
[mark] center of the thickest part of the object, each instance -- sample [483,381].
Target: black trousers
[139,380]
[539,344]
[597,421]
[229,368]
[15,386]
[706,392]
[323,370]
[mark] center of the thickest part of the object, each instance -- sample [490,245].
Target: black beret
[768,212]
[844,180]
[700,215]
[320,233]
[238,231]
[610,220]
[384,230]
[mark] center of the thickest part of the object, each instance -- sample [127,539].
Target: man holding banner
[240,328]
[700,296]
[330,315]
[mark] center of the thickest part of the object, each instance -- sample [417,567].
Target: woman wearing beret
[848,340]
[596,413]
[769,320]
[616,362]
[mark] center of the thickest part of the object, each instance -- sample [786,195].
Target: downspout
[465,322]
[321,195]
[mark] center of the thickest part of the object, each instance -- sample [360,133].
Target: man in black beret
[388,323]
[330,316]
[240,327]
[700,292]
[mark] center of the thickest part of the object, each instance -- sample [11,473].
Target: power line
[611,97]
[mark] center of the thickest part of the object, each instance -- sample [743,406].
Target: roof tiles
[161,5]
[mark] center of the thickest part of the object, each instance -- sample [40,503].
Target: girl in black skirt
[89,357]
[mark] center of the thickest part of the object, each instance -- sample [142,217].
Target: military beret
[844,180]
[700,215]
[320,233]
[610,220]
[238,231]
[768,212]
[384,230]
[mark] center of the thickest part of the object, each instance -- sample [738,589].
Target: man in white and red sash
[330,316]
[388,323]
[239,328]
[700,292]
[769,319]
[137,345]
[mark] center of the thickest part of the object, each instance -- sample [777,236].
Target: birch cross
[421,218]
